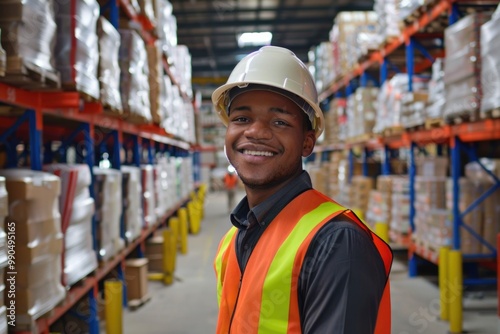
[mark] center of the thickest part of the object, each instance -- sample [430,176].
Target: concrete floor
[189,306]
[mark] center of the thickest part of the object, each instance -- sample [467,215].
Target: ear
[308,144]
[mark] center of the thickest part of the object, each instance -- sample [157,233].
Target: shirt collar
[264,213]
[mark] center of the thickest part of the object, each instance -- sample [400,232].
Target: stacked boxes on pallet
[148,195]
[166,27]
[380,202]
[155,79]
[463,67]
[322,58]
[77,208]
[400,212]
[490,69]
[413,112]
[336,174]
[435,106]
[164,183]
[28,33]
[35,220]
[361,111]
[134,72]
[77,46]
[4,260]
[109,69]
[430,214]
[352,35]
[108,197]
[391,103]
[334,122]
[360,193]
[132,204]
[388,27]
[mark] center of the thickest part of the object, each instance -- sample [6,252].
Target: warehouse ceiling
[210,29]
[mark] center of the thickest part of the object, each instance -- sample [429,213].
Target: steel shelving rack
[458,138]
[40,118]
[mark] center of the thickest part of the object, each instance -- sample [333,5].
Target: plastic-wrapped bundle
[148,195]
[155,80]
[134,86]
[77,47]
[35,220]
[463,67]
[132,202]
[109,69]
[77,208]
[490,58]
[108,197]
[28,34]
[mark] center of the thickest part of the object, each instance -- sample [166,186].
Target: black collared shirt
[343,276]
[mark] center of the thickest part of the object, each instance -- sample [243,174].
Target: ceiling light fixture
[254,39]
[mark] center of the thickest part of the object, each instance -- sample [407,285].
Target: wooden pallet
[134,304]
[360,138]
[28,323]
[464,117]
[494,113]
[393,131]
[415,128]
[432,123]
[24,74]
[85,96]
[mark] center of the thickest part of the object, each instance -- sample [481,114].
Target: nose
[259,129]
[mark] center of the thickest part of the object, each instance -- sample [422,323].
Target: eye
[280,122]
[238,119]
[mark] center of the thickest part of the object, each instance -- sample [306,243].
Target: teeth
[258,153]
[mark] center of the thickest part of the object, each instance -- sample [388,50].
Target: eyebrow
[273,109]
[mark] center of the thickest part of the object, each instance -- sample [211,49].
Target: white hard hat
[273,67]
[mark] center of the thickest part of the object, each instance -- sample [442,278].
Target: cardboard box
[37,232]
[26,254]
[46,269]
[155,263]
[28,184]
[40,299]
[136,278]
[154,246]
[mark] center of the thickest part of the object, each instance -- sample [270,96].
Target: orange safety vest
[269,287]
[230,180]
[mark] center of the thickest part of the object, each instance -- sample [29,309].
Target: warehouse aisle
[189,306]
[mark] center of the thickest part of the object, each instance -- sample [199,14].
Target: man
[294,261]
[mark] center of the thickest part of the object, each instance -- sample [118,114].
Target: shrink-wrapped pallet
[77,45]
[28,34]
[77,208]
[462,67]
[490,69]
[35,222]
[132,202]
[148,195]
[435,106]
[400,199]
[108,197]
[109,69]
[134,86]
[155,80]
[361,110]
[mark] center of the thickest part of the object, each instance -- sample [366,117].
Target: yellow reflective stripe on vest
[219,260]
[278,282]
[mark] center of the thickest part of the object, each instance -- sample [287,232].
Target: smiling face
[266,139]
